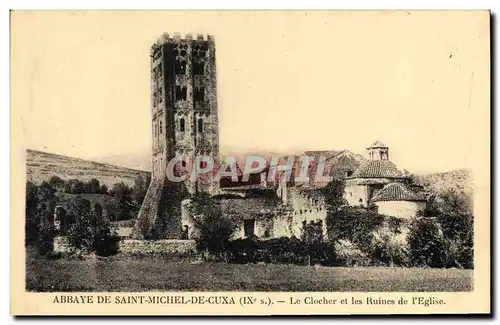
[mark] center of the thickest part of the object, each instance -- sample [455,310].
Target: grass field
[147,275]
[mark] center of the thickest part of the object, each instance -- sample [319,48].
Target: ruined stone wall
[175,246]
[356,194]
[307,206]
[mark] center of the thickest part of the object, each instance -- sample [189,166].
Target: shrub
[355,225]
[45,239]
[57,182]
[126,206]
[389,252]
[105,239]
[281,250]
[351,255]
[426,243]
[90,233]
[32,216]
[214,229]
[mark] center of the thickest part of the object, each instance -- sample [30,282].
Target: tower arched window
[182,124]
[183,67]
[180,93]
[180,67]
[200,125]
[199,68]
[199,94]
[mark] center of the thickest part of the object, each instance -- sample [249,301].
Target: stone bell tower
[378,151]
[184,126]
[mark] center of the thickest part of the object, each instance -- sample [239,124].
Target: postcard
[250,162]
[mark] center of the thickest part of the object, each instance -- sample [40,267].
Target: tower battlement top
[177,37]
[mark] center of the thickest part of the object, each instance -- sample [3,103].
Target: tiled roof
[378,168]
[374,181]
[377,144]
[397,192]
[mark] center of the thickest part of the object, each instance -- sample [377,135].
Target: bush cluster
[441,236]
[86,226]
[281,250]
[90,233]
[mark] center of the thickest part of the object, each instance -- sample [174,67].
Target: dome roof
[397,192]
[378,168]
[377,144]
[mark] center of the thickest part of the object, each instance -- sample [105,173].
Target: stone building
[184,126]
[380,183]
[184,103]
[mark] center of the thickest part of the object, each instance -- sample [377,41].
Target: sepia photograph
[229,152]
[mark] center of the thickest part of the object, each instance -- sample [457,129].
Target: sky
[287,81]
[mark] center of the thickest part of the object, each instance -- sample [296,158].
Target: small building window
[200,125]
[182,123]
[161,128]
[183,163]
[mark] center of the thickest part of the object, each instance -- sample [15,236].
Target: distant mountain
[139,160]
[41,166]
[459,179]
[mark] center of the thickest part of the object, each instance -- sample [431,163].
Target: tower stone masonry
[184,126]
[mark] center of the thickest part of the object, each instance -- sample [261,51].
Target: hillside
[41,166]
[460,179]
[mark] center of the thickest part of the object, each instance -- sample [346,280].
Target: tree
[74,186]
[32,220]
[98,210]
[94,186]
[139,190]
[125,204]
[334,194]
[80,234]
[45,218]
[214,229]
[57,182]
[355,224]
[455,214]
[103,189]
[426,243]
[456,219]
[91,233]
